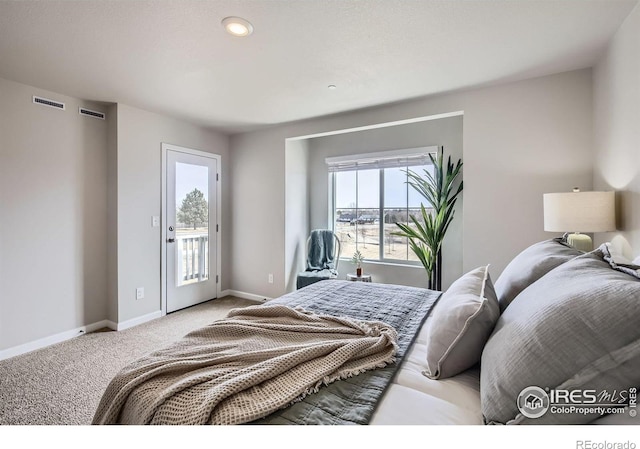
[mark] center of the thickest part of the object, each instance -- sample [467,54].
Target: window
[369,194]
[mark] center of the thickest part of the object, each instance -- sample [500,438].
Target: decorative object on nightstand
[579,212]
[359,278]
[357,261]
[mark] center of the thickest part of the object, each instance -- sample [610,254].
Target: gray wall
[297,209]
[520,139]
[53,215]
[258,212]
[112,214]
[65,180]
[446,132]
[139,136]
[76,200]
[617,132]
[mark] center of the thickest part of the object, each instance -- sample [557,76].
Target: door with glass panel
[190,229]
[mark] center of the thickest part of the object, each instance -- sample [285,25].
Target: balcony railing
[192,258]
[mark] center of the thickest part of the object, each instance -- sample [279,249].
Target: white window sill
[386,263]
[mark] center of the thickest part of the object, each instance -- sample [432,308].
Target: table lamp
[579,212]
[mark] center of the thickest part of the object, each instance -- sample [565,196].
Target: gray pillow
[529,266]
[574,329]
[462,322]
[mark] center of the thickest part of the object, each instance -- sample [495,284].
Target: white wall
[520,140]
[139,136]
[446,132]
[617,132]
[53,231]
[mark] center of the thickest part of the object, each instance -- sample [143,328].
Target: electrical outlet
[270,278]
[139,292]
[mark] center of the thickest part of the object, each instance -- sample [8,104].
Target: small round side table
[356,278]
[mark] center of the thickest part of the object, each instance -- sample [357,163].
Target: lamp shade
[579,212]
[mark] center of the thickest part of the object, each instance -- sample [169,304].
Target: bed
[535,326]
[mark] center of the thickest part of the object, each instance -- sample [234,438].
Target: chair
[323,257]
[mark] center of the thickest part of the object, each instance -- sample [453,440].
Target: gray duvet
[353,400]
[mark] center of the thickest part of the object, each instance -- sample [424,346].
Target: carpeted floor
[63,383]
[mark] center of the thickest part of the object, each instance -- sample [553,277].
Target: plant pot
[359,271]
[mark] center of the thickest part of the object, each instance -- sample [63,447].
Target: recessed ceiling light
[237,26]
[332,86]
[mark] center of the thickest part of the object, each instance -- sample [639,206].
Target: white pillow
[463,320]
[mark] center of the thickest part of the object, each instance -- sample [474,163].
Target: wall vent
[90,113]
[47,102]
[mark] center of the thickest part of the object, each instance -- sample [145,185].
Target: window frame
[382,260]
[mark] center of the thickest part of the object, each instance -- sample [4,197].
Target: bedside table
[363,278]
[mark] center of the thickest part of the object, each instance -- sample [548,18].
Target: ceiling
[174,57]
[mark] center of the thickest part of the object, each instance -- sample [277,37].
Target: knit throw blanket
[256,361]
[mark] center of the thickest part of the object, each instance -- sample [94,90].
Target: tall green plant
[440,190]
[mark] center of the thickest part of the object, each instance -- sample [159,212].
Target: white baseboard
[53,339]
[67,335]
[138,320]
[244,295]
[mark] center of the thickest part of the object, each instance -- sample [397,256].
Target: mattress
[412,398]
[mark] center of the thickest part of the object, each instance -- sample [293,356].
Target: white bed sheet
[413,398]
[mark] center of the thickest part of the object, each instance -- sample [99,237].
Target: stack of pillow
[557,319]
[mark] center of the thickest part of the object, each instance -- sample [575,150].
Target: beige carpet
[63,383]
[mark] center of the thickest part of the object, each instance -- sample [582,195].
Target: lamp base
[580,241]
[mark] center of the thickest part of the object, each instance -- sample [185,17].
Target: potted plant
[425,236]
[357,261]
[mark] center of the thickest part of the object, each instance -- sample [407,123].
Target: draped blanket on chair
[321,259]
[321,250]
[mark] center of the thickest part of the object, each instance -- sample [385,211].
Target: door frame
[165,147]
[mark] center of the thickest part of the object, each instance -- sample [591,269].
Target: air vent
[90,113]
[47,102]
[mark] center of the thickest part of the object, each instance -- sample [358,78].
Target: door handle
[171,240]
